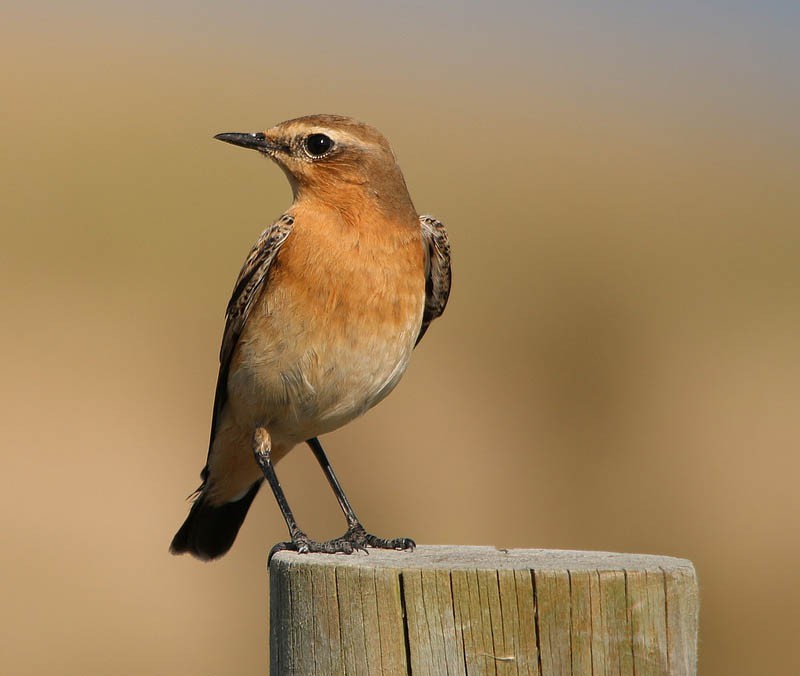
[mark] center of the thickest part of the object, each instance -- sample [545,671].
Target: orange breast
[333,330]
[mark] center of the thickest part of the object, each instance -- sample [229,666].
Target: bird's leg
[338,491]
[262,450]
[356,535]
[300,542]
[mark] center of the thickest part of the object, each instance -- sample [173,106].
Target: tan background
[618,368]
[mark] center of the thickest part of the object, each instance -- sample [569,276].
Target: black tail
[209,531]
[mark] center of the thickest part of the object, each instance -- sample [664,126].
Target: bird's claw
[354,539]
[362,540]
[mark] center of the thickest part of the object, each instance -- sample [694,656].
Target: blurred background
[617,369]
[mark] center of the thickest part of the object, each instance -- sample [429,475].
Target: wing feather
[437,270]
[251,281]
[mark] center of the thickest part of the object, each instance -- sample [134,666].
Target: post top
[461,557]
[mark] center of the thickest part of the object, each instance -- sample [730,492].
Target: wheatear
[323,318]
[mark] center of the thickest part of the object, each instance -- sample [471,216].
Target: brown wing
[249,284]
[437,270]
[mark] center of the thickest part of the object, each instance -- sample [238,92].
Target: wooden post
[479,610]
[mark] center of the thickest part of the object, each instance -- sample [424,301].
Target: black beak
[256,141]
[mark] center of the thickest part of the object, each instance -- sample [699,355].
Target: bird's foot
[361,540]
[302,544]
[354,539]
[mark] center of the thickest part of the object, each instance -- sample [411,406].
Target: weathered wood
[478,610]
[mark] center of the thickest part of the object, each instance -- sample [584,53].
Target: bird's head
[330,156]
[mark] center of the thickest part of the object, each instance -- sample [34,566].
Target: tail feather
[209,531]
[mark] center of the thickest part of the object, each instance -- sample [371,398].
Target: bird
[324,316]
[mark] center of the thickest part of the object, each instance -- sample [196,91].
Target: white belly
[301,381]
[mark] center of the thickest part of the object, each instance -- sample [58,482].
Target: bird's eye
[318,145]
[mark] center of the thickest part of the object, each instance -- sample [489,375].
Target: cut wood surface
[480,610]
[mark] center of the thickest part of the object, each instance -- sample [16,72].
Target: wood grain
[478,610]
